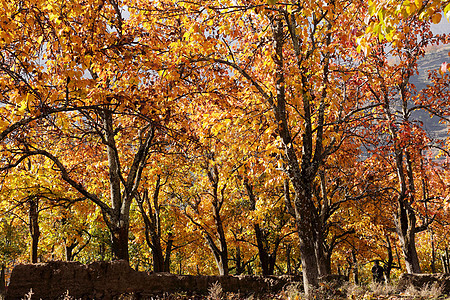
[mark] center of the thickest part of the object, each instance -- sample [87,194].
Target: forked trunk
[220,256]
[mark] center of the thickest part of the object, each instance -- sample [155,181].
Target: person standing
[377,272]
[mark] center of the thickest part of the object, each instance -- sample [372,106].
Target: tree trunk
[262,251]
[119,242]
[2,283]
[69,252]
[153,233]
[309,263]
[220,256]
[407,241]
[301,176]
[288,259]
[445,262]
[34,229]
[322,264]
[355,268]
[220,252]
[158,259]
[267,259]
[406,230]
[168,253]
[390,261]
[406,218]
[240,267]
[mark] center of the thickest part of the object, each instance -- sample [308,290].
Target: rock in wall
[108,280]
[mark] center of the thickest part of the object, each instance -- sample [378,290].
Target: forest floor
[346,292]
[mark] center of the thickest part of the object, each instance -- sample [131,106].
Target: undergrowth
[347,291]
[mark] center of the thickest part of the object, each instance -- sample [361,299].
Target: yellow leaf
[289,8]
[161,73]
[436,18]
[3,125]
[418,3]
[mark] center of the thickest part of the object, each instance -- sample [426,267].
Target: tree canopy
[222,136]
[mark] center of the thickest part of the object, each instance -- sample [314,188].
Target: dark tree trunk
[34,228]
[406,232]
[264,257]
[406,216]
[267,259]
[69,251]
[301,175]
[2,283]
[240,266]
[301,169]
[288,259]
[355,268]
[390,261]
[153,233]
[220,252]
[169,246]
[122,192]
[119,242]
[158,260]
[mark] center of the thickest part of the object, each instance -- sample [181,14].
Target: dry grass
[29,295]
[348,291]
[432,291]
[215,292]
[373,291]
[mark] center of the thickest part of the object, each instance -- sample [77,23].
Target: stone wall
[108,280]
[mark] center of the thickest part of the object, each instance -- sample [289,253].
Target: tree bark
[119,240]
[405,217]
[169,246]
[122,192]
[34,228]
[69,251]
[240,266]
[301,178]
[355,268]
[288,259]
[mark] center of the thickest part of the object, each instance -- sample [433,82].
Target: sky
[442,27]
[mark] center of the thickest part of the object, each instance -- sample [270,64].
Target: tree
[283,62]
[388,16]
[153,227]
[269,228]
[100,105]
[391,88]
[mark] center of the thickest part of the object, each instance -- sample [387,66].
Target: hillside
[432,61]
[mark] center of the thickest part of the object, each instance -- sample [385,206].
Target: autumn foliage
[222,136]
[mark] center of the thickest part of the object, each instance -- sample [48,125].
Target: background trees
[186,126]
